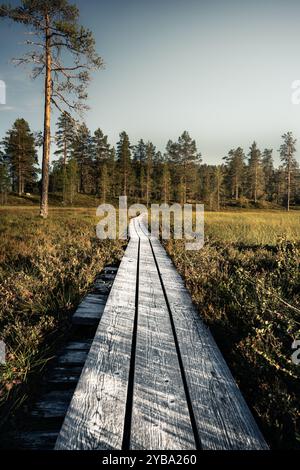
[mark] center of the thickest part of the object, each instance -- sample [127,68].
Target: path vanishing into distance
[154,377]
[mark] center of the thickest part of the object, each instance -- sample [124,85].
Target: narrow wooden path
[154,378]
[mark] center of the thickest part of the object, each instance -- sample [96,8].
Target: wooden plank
[72,357]
[52,405]
[223,418]
[95,418]
[64,376]
[79,345]
[90,310]
[33,440]
[160,415]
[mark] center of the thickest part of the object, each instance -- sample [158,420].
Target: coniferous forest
[85,162]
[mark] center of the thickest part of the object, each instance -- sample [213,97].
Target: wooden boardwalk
[154,378]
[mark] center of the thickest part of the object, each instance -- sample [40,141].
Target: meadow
[246,285]
[46,267]
[245,282]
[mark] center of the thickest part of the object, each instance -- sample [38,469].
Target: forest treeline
[87,163]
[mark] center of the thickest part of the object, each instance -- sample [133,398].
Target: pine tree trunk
[47,122]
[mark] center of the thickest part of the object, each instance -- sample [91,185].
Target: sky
[220,69]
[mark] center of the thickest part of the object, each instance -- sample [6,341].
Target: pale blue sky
[221,69]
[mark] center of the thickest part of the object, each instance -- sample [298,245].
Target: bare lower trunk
[47,117]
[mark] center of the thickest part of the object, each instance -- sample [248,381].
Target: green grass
[46,267]
[253,227]
[55,200]
[246,284]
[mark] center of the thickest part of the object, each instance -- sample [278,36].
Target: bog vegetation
[46,266]
[246,284]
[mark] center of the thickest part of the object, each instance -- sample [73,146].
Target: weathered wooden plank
[160,415]
[95,418]
[34,440]
[110,270]
[223,418]
[72,357]
[52,405]
[64,376]
[80,345]
[90,310]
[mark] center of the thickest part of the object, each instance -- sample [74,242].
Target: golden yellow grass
[246,284]
[253,227]
[46,266]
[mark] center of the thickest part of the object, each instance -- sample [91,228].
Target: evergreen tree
[102,155]
[112,172]
[20,150]
[287,151]
[150,157]
[188,159]
[172,157]
[83,152]
[105,182]
[269,174]
[55,37]
[72,179]
[124,163]
[157,176]
[4,178]
[255,173]
[166,182]
[139,160]
[206,178]
[235,172]
[66,128]
[218,183]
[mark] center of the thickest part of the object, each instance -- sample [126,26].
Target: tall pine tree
[83,154]
[66,128]
[102,156]
[287,155]
[124,163]
[63,52]
[255,173]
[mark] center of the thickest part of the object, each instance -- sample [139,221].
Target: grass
[246,284]
[46,267]
[55,200]
[253,227]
